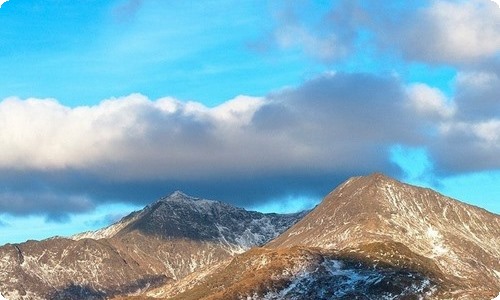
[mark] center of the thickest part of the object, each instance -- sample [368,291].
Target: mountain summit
[462,240]
[179,195]
[179,217]
[167,240]
[372,237]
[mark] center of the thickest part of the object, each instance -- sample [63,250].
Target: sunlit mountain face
[371,238]
[279,110]
[105,106]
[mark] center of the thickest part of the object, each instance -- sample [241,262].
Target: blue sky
[268,105]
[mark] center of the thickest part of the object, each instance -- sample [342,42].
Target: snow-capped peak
[178,196]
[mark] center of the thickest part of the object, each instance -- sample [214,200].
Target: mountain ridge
[165,241]
[372,237]
[461,238]
[449,244]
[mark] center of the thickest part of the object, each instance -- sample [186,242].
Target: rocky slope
[66,269]
[311,273]
[179,216]
[166,241]
[371,238]
[461,239]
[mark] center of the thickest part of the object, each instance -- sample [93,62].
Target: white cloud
[324,48]
[477,80]
[322,124]
[441,31]
[485,134]
[450,32]
[332,36]
[42,133]
[2,2]
[489,133]
[430,101]
[256,148]
[259,148]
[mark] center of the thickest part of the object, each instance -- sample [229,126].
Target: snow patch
[436,238]
[335,279]
[106,232]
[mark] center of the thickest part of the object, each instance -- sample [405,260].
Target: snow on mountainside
[182,216]
[337,279]
[371,238]
[107,232]
[306,273]
[179,215]
[461,239]
[165,241]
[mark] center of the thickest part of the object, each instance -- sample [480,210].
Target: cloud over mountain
[293,141]
[297,141]
[259,146]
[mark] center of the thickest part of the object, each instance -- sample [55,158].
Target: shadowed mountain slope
[165,241]
[371,238]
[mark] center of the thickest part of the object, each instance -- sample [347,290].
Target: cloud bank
[460,131]
[297,141]
[254,148]
[300,140]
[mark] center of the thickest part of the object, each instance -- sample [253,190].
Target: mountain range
[371,238]
[167,240]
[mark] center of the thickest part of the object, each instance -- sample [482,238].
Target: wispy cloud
[3,224]
[453,32]
[127,9]
[331,38]
[438,32]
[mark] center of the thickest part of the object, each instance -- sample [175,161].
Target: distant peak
[178,194]
[379,176]
[376,178]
